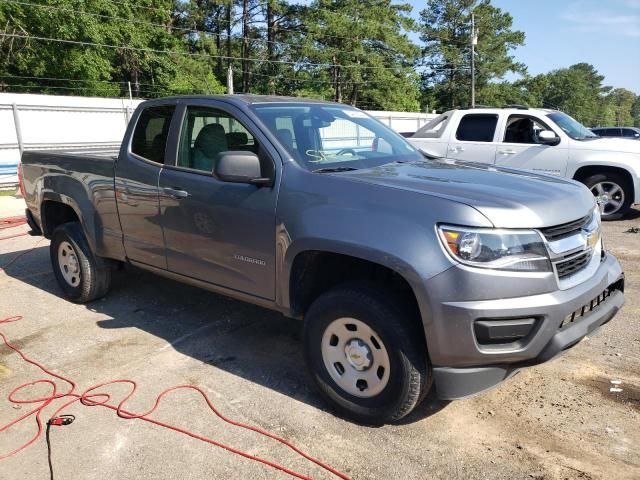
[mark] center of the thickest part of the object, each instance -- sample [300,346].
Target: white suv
[546,141]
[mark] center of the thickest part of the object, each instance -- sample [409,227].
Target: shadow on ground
[253,343]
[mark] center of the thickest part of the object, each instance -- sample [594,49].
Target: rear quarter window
[150,135]
[477,127]
[435,128]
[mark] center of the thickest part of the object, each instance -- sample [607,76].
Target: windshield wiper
[333,169]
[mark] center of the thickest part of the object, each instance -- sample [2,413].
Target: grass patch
[8,192]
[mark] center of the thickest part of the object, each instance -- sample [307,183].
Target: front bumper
[464,366]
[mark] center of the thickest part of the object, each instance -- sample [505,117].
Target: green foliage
[446,32]
[344,50]
[635,112]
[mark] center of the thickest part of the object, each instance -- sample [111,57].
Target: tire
[395,393]
[605,184]
[82,276]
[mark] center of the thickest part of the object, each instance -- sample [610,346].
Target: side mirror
[547,137]
[239,167]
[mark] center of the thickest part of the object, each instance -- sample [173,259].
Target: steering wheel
[350,151]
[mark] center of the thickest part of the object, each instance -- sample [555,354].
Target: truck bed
[82,179]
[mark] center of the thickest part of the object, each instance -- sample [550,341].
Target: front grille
[587,308]
[565,230]
[566,268]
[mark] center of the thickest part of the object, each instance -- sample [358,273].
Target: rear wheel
[613,194]
[366,356]
[82,276]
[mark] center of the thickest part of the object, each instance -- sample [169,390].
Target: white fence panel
[58,122]
[94,124]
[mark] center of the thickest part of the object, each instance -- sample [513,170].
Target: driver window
[523,129]
[206,132]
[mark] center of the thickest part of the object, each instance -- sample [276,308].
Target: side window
[523,129]
[627,132]
[433,129]
[477,127]
[208,131]
[150,135]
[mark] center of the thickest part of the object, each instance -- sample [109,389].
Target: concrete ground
[555,421]
[10,205]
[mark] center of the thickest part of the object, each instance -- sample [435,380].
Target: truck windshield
[332,137]
[571,127]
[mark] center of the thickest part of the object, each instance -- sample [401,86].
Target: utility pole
[474,42]
[230,80]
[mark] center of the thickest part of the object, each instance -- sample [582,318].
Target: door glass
[206,132]
[477,128]
[150,135]
[523,129]
[433,129]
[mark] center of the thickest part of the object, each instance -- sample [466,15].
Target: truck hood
[622,145]
[508,198]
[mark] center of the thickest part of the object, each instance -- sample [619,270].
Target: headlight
[592,230]
[518,250]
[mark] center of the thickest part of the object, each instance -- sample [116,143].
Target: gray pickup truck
[408,272]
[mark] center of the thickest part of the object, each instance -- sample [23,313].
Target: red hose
[10,222]
[92,398]
[13,222]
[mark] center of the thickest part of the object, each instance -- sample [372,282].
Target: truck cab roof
[237,99]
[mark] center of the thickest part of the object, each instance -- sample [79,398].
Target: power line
[174,27]
[165,27]
[109,17]
[54,87]
[189,54]
[26,77]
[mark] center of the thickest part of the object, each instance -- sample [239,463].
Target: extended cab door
[219,232]
[520,147]
[136,184]
[474,138]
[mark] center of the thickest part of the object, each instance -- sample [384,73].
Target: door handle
[456,149]
[507,152]
[175,192]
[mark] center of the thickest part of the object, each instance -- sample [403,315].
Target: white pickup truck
[545,141]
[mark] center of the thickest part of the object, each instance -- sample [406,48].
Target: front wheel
[613,194]
[82,275]
[366,355]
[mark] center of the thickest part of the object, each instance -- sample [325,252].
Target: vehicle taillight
[20,180]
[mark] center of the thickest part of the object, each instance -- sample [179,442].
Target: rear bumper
[465,366]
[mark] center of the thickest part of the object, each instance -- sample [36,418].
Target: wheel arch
[314,271]
[586,171]
[57,209]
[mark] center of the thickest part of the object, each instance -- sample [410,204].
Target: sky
[560,33]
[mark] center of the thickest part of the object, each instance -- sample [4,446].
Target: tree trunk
[229,12]
[218,31]
[245,46]
[271,37]
[336,80]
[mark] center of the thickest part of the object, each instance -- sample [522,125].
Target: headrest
[236,139]
[284,134]
[211,140]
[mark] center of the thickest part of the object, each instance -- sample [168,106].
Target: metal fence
[90,124]
[45,122]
